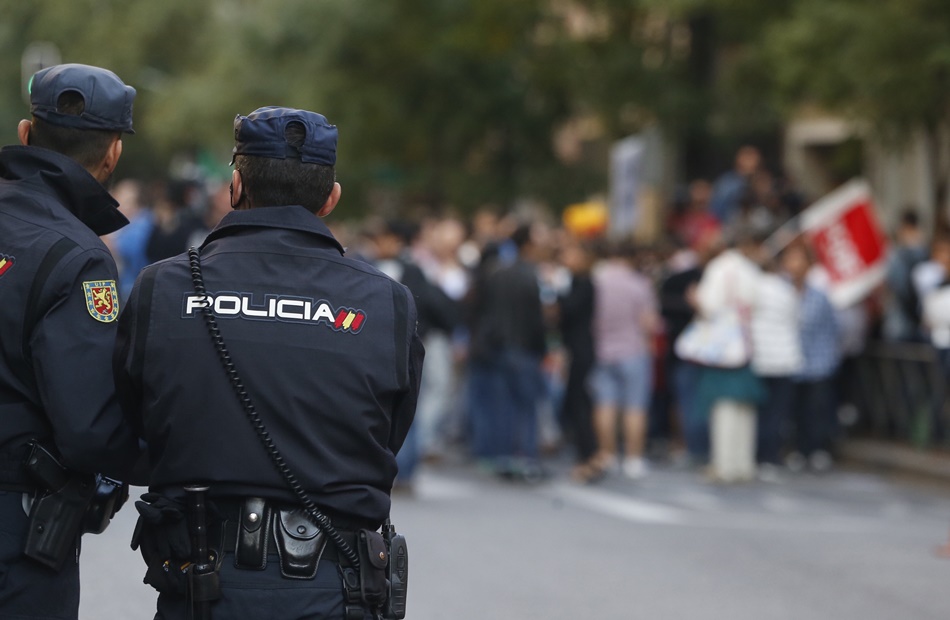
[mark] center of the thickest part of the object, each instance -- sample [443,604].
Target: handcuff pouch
[300,544]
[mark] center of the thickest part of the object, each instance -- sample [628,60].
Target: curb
[897,458]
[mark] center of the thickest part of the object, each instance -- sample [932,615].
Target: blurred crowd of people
[538,340]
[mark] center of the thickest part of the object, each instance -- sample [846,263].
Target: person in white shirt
[776,359]
[730,286]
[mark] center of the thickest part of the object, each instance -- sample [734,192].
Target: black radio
[398,570]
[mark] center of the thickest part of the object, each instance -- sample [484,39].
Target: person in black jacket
[327,351]
[437,313]
[57,319]
[576,314]
[506,349]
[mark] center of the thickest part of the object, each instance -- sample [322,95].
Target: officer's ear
[237,189]
[23,132]
[110,161]
[332,199]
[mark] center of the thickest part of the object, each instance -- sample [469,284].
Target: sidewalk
[898,459]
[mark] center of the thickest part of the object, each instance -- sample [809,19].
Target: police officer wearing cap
[326,349]
[58,316]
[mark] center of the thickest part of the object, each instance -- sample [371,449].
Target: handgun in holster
[68,504]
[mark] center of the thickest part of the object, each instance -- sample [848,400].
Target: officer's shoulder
[178,263]
[69,233]
[86,240]
[80,242]
[372,273]
[365,268]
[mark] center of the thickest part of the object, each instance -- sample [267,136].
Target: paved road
[845,546]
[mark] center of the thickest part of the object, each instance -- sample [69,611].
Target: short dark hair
[271,182]
[910,218]
[522,235]
[87,146]
[406,230]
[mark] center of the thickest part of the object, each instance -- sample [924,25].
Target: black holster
[56,516]
[67,505]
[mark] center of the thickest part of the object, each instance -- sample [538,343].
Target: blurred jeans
[815,415]
[626,384]
[435,393]
[941,393]
[503,399]
[774,416]
[695,423]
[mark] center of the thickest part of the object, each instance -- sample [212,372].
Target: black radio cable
[319,519]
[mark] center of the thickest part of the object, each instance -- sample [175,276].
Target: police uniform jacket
[57,316]
[325,345]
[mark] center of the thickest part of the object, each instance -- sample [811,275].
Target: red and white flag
[844,232]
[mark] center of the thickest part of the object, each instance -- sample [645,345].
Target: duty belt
[256,531]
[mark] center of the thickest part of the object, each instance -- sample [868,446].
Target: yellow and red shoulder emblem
[6,263]
[102,300]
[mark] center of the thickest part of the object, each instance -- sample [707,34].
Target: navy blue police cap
[261,134]
[107,99]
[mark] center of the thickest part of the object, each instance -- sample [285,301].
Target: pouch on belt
[250,549]
[300,544]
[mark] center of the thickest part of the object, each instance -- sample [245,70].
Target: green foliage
[458,102]
[454,102]
[886,62]
[144,42]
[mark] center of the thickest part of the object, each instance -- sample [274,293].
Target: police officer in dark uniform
[327,350]
[58,314]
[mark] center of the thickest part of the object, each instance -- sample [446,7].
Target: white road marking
[788,516]
[687,507]
[781,504]
[697,500]
[616,505]
[429,486]
[895,510]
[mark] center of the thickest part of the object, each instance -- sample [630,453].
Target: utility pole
[37,55]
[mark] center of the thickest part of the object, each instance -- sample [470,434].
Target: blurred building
[822,151]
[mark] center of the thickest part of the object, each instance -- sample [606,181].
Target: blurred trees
[884,65]
[455,102]
[463,102]
[146,43]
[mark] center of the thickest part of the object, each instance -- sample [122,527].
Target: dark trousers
[941,393]
[814,413]
[503,400]
[774,416]
[577,406]
[694,421]
[28,589]
[266,594]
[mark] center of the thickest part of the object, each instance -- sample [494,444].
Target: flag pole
[783,236]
